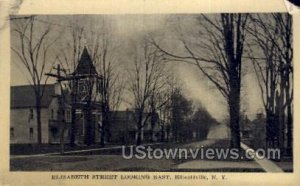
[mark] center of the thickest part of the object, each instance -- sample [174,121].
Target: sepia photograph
[205,92]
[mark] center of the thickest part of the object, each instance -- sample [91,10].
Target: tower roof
[85,64]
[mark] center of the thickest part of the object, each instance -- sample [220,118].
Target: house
[253,133]
[23,124]
[246,128]
[123,128]
[259,131]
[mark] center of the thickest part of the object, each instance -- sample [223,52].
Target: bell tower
[86,75]
[86,81]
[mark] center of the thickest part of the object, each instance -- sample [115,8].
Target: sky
[127,29]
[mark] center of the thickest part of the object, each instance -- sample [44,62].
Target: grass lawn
[96,160]
[111,159]
[28,149]
[88,163]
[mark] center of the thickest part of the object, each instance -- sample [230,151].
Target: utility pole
[61,105]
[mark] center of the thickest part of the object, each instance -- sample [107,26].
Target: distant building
[123,128]
[259,131]
[246,128]
[253,133]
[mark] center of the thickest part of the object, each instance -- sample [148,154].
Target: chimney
[57,89]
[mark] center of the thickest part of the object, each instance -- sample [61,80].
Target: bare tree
[146,78]
[102,54]
[32,48]
[112,86]
[216,49]
[272,35]
[158,105]
[68,58]
[181,110]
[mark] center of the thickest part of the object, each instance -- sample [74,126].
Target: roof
[121,115]
[85,64]
[24,97]
[127,118]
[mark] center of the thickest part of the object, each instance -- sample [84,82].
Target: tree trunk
[162,132]
[38,119]
[234,106]
[73,126]
[234,109]
[89,136]
[103,131]
[289,124]
[281,115]
[62,137]
[289,131]
[289,71]
[102,136]
[270,128]
[105,125]
[73,119]
[139,137]
[139,130]
[153,122]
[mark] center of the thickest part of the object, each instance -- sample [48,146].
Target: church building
[23,124]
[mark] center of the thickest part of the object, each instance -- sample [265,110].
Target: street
[101,160]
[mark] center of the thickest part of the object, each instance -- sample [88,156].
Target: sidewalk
[207,165]
[266,164]
[73,151]
[200,144]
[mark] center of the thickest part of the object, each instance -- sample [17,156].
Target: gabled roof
[85,64]
[122,115]
[127,118]
[24,97]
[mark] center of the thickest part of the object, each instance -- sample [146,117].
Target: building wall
[55,126]
[23,125]
[124,130]
[80,127]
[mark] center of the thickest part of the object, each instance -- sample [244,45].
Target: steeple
[85,64]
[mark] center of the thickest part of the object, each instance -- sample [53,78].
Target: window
[83,126]
[68,116]
[12,132]
[30,133]
[30,117]
[52,114]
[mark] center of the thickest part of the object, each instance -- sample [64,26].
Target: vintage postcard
[149,92]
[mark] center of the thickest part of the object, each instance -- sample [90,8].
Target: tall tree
[99,43]
[165,110]
[32,45]
[216,49]
[146,78]
[271,45]
[201,122]
[112,85]
[181,112]
[69,59]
